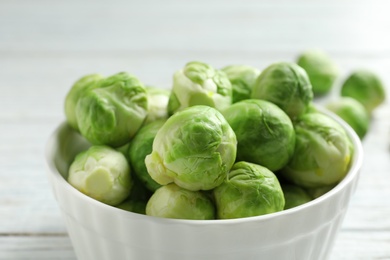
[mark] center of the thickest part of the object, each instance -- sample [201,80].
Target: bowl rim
[355,166]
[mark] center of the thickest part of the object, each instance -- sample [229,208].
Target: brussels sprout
[265,134]
[322,153]
[112,113]
[353,113]
[139,192]
[172,201]
[139,196]
[157,104]
[294,196]
[249,190]
[101,173]
[199,84]
[124,149]
[133,206]
[286,85]
[78,89]
[366,87]
[242,78]
[318,192]
[140,147]
[312,108]
[320,68]
[195,149]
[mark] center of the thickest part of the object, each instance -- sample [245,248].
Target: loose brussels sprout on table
[112,113]
[366,87]
[264,132]
[199,83]
[172,201]
[352,112]
[101,173]
[322,153]
[242,78]
[195,149]
[320,68]
[287,85]
[248,190]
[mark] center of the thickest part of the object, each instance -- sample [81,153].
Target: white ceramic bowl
[102,232]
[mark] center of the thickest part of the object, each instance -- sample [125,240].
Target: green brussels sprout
[321,69]
[157,104]
[195,149]
[294,196]
[101,173]
[265,134]
[286,85]
[133,206]
[242,79]
[124,149]
[172,201]
[322,153]
[140,147]
[319,191]
[139,192]
[312,108]
[366,87]
[248,190]
[112,113]
[78,89]
[199,84]
[136,201]
[352,112]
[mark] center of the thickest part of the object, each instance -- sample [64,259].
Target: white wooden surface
[46,45]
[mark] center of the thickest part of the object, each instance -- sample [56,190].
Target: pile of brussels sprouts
[222,143]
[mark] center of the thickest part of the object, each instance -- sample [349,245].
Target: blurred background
[45,46]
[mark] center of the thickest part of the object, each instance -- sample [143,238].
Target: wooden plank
[362,246]
[36,247]
[349,245]
[202,26]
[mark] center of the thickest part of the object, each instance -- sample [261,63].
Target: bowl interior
[65,144]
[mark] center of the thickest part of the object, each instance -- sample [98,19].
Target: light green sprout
[352,112]
[195,149]
[113,113]
[322,153]
[265,134]
[199,84]
[157,104]
[366,87]
[248,190]
[242,78]
[172,201]
[101,173]
[140,147]
[78,89]
[286,85]
[320,68]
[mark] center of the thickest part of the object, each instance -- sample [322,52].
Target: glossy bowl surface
[102,232]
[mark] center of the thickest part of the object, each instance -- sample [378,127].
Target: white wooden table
[46,45]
